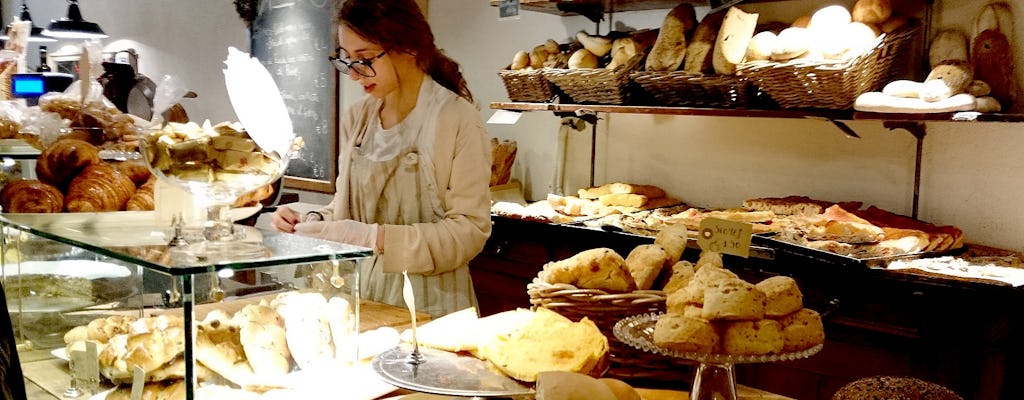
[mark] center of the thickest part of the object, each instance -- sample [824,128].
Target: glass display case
[113,280]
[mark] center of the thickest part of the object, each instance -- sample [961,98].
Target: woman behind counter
[413,165]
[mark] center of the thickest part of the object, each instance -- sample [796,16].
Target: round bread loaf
[782,295]
[871,11]
[735,300]
[802,330]
[685,334]
[752,337]
[894,387]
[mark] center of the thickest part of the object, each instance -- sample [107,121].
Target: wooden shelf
[843,115]
[552,6]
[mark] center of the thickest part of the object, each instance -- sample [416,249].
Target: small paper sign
[724,236]
[504,117]
[508,9]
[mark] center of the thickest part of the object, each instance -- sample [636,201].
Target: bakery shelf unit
[36,246]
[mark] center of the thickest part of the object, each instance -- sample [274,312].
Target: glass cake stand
[716,375]
[446,373]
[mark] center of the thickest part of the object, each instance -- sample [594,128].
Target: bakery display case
[176,323]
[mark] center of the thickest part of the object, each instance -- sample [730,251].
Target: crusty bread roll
[733,37]
[791,42]
[948,45]
[582,58]
[829,18]
[645,263]
[31,196]
[700,49]
[520,60]
[871,11]
[600,268]
[761,46]
[670,47]
[979,88]
[946,79]
[987,104]
[597,45]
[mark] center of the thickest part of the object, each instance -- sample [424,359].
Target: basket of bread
[826,59]
[602,286]
[598,71]
[680,69]
[524,79]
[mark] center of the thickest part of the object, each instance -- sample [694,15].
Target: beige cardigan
[462,159]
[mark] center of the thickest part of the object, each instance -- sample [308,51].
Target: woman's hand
[284,219]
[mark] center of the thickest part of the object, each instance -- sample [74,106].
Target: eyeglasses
[362,67]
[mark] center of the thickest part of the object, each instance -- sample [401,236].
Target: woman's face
[355,48]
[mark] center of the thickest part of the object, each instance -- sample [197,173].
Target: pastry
[782,295]
[752,337]
[685,334]
[733,300]
[100,187]
[31,196]
[64,159]
[801,330]
[645,263]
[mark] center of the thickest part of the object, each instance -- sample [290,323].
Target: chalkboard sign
[293,39]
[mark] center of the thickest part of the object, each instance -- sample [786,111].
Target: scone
[752,337]
[600,268]
[682,273]
[782,295]
[677,301]
[734,300]
[801,330]
[540,344]
[685,334]
[645,263]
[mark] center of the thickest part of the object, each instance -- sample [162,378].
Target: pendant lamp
[73,26]
[36,35]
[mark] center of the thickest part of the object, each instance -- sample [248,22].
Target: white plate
[87,269]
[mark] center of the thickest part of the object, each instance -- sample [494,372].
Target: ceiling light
[73,26]
[36,35]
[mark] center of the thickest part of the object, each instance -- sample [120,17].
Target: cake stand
[445,373]
[716,375]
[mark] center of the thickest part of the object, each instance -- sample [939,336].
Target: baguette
[992,58]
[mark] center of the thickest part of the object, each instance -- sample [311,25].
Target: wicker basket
[595,85]
[679,88]
[831,85]
[605,309]
[529,86]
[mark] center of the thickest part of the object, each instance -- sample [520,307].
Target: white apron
[391,181]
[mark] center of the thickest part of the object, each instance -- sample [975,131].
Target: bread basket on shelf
[832,84]
[595,85]
[679,88]
[527,85]
[605,309]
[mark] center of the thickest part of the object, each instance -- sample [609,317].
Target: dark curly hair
[400,25]
[246,10]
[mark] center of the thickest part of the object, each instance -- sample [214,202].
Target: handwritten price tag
[724,236]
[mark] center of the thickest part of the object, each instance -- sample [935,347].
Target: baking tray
[783,247]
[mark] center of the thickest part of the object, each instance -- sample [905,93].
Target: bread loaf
[946,79]
[670,48]
[30,196]
[64,159]
[733,39]
[539,344]
[948,44]
[894,387]
[791,42]
[761,46]
[99,187]
[992,58]
[700,49]
[261,332]
[503,155]
[582,58]
[871,11]
[597,45]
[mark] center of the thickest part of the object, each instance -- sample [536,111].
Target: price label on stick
[724,236]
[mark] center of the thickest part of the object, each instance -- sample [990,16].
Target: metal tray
[825,257]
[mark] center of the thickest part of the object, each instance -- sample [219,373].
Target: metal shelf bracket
[916,129]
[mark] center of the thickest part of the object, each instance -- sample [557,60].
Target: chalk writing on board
[293,39]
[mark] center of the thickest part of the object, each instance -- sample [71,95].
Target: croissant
[31,196]
[64,159]
[143,200]
[100,187]
[134,170]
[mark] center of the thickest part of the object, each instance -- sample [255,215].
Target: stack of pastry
[73,178]
[711,310]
